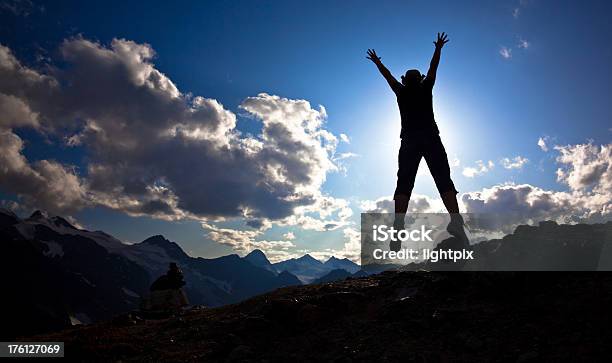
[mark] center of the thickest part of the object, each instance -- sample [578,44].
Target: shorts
[415,147]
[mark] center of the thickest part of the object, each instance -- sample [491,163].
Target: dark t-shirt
[416,108]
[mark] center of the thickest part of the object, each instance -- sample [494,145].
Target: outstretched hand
[372,56]
[442,39]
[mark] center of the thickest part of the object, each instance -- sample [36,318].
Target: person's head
[412,77]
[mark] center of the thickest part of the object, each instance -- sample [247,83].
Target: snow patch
[80,319]
[27,229]
[129,292]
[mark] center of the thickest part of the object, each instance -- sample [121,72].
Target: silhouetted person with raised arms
[420,138]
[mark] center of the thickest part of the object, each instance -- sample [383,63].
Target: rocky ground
[393,316]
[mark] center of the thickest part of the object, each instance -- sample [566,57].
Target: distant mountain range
[308,268]
[55,274]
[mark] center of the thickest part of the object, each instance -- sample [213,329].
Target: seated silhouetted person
[173,279]
[167,293]
[420,139]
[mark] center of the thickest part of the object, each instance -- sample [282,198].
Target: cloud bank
[156,151]
[585,168]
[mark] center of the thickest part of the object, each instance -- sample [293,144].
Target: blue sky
[555,83]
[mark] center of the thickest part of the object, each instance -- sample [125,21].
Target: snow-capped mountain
[308,268]
[58,274]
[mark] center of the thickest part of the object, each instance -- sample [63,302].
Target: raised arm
[395,85]
[435,60]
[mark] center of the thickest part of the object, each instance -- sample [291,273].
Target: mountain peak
[8,212]
[61,222]
[256,252]
[43,217]
[38,214]
[341,263]
[7,217]
[172,248]
[308,258]
[257,258]
[156,240]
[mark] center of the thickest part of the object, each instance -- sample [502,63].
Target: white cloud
[504,206]
[345,138]
[455,162]
[505,52]
[480,169]
[154,150]
[542,143]
[523,44]
[351,248]
[289,236]
[418,204]
[516,12]
[508,205]
[45,183]
[342,156]
[585,167]
[326,213]
[16,113]
[515,163]
[245,241]
[380,205]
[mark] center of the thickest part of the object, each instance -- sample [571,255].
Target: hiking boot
[395,245]
[455,229]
